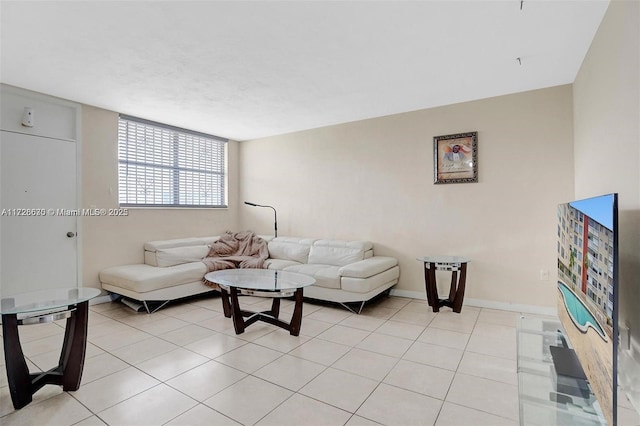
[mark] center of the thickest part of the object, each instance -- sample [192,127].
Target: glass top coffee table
[41,307]
[262,283]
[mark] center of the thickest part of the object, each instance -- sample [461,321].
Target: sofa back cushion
[290,248]
[177,251]
[179,255]
[338,252]
[178,242]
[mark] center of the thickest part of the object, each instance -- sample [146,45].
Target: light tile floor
[397,363]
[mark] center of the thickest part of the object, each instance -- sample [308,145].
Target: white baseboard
[408,293]
[515,307]
[490,304]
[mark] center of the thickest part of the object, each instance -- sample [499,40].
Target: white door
[38,237]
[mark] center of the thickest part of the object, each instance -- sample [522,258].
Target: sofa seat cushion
[143,278]
[326,275]
[338,252]
[279,264]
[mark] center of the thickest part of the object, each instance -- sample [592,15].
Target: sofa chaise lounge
[346,272]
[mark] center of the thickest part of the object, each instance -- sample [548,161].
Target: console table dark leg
[238,321]
[74,348]
[459,294]
[17,370]
[296,319]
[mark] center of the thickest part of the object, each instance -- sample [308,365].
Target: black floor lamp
[275,215]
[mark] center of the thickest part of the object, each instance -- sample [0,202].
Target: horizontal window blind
[165,166]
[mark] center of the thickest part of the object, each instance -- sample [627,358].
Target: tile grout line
[369,332]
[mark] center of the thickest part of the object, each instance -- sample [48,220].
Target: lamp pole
[275,215]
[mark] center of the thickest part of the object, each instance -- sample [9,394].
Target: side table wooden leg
[17,370]
[296,319]
[454,286]
[238,321]
[433,291]
[74,348]
[459,297]
[426,284]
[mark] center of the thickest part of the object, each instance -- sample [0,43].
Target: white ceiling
[245,70]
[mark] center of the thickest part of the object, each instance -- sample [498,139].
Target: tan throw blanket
[236,250]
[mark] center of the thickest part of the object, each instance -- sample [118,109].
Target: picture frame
[455,158]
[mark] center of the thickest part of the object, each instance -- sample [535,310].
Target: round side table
[452,264]
[41,307]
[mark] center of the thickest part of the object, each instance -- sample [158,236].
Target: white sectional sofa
[345,271]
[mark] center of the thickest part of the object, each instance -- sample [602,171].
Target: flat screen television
[588,295]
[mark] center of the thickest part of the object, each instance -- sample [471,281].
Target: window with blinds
[165,166]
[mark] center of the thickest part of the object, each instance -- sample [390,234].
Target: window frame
[175,169]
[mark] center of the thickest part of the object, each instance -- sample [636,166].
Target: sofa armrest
[368,267]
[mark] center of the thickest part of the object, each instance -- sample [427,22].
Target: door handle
[71,234]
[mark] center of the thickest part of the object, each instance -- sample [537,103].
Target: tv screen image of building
[587,291]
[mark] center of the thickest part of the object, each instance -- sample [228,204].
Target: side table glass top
[260,279]
[444,259]
[45,300]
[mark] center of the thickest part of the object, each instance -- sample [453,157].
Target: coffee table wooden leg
[275,307]
[296,319]
[236,313]
[226,306]
[74,348]
[17,370]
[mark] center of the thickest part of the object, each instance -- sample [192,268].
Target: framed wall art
[455,158]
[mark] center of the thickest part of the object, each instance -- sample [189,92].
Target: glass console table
[41,307]
[546,397]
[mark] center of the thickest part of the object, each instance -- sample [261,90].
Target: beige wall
[373,180]
[108,241]
[607,153]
